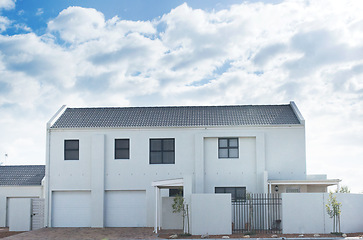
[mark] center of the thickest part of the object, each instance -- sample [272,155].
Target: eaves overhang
[324,182]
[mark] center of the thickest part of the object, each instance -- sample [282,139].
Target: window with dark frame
[162,151]
[71,149]
[227,147]
[238,193]
[175,192]
[122,148]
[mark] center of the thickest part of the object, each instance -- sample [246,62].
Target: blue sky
[170,52]
[36,13]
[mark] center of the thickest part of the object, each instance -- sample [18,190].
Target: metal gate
[258,213]
[37,216]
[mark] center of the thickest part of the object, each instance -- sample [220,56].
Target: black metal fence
[258,213]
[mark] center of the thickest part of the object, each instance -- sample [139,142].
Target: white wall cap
[56,116]
[316,177]
[297,112]
[327,182]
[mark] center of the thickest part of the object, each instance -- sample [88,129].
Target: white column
[159,207]
[260,161]
[269,188]
[199,163]
[98,179]
[156,211]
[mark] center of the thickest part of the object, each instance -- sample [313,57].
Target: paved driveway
[86,233]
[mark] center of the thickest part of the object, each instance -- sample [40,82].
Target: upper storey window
[162,151]
[71,149]
[228,148]
[122,148]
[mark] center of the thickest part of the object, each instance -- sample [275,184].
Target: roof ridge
[183,106]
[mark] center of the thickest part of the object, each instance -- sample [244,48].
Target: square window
[122,148]
[71,149]
[162,151]
[228,148]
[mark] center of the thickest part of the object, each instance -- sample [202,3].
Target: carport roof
[22,175]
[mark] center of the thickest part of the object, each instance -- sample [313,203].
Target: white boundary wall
[9,192]
[306,213]
[211,214]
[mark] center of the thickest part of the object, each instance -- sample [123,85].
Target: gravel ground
[168,233]
[129,233]
[4,232]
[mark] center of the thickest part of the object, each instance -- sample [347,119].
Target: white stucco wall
[303,213]
[211,214]
[237,172]
[7,192]
[306,213]
[316,189]
[285,153]
[170,220]
[279,151]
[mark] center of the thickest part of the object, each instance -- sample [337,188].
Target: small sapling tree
[333,210]
[344,189]
[180,207]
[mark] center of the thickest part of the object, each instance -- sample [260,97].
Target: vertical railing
[259,213]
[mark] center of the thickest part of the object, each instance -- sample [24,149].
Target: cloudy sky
[171,52]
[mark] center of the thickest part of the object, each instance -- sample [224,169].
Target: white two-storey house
[107,166]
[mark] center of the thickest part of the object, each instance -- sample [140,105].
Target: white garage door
[71,209]
[125,209]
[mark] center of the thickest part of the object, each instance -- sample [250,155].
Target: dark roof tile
[24,175]
[195,116]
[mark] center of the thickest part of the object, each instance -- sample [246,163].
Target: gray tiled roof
[196,116]
[25,175]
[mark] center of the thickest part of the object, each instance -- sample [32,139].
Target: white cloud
[39,12]
[251,53]
[4,23]
[7,4]
[44,61]
[76,24]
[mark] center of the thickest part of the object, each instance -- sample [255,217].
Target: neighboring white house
[108,167]
[18,186]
